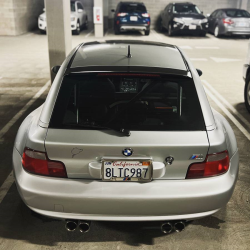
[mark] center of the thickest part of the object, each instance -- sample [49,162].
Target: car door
[163,16]
[169,15]
[81,13]
[211,20]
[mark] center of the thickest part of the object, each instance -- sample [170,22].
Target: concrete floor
[24,70]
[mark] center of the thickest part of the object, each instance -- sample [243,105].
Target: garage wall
[156,6]
[19,16]
[88,5]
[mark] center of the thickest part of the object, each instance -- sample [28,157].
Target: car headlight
[178,20]
[204,20]
[73,18]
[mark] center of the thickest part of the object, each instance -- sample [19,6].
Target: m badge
[197,157]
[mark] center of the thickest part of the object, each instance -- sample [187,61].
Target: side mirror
[80,10]
[199,72]
[55,69]
[43,9]
[208,15]
[112,10]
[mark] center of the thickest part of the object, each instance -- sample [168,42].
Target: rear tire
[117,31]
[170,32]
[217,31]
[147,32]
[78,28]
[247,93]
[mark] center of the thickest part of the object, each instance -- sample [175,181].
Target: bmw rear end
[120,143]
[235,22]
[132,16]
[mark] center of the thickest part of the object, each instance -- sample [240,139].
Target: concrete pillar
[58,31]
[244,4]
[98,18]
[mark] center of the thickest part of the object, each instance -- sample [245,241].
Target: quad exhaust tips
[84,226]
[71,225]
[168,227]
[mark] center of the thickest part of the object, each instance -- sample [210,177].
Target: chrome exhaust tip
[71,225]
[179,226]
[166,227]
[84,226]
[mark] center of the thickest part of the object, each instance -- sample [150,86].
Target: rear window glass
[186,9]
[133,102]
[133,7]
[237,13]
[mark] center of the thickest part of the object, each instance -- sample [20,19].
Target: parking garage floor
[24,76]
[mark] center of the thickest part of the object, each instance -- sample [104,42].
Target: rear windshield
[186,9]
[237,13]
[133,102]
[133,7]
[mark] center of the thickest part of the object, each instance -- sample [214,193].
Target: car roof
[181,3]
[132,3]
[112,55]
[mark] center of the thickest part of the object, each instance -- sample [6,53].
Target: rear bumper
[140,27]
[236,31]
[118,201]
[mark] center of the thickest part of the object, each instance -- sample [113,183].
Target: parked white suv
[78,18]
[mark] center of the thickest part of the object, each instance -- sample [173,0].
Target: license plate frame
[192,27]
[134,18]
[133,179]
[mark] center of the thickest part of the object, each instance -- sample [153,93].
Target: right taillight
[215,164]
[38,163]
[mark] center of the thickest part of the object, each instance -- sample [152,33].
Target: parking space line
[89,33]
[185,47]
[6,128]
[229,115]
[6,186]
[157,35]
[233,110]
[202,47]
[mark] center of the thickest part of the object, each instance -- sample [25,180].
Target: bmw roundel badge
[127,151]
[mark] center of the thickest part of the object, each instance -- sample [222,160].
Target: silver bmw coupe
[126,134]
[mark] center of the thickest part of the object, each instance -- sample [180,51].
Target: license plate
[133,18]
[242,24]
[129,170]
[192,27]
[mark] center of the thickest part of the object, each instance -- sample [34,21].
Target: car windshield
[129,101]
[237,13]
[133,7]
[186,9]
[73,6]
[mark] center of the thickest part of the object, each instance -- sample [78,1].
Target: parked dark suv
[131,16]
[183,18]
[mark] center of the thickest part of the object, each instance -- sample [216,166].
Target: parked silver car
[78,18]
[126,134]
[229,22]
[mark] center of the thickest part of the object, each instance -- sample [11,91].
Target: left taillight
[228,21]
[36,162]
[145,15]
[215,164]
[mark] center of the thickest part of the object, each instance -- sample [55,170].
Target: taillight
[122,14]
[38,163]
[215,164]
[228,21]
[145,15]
